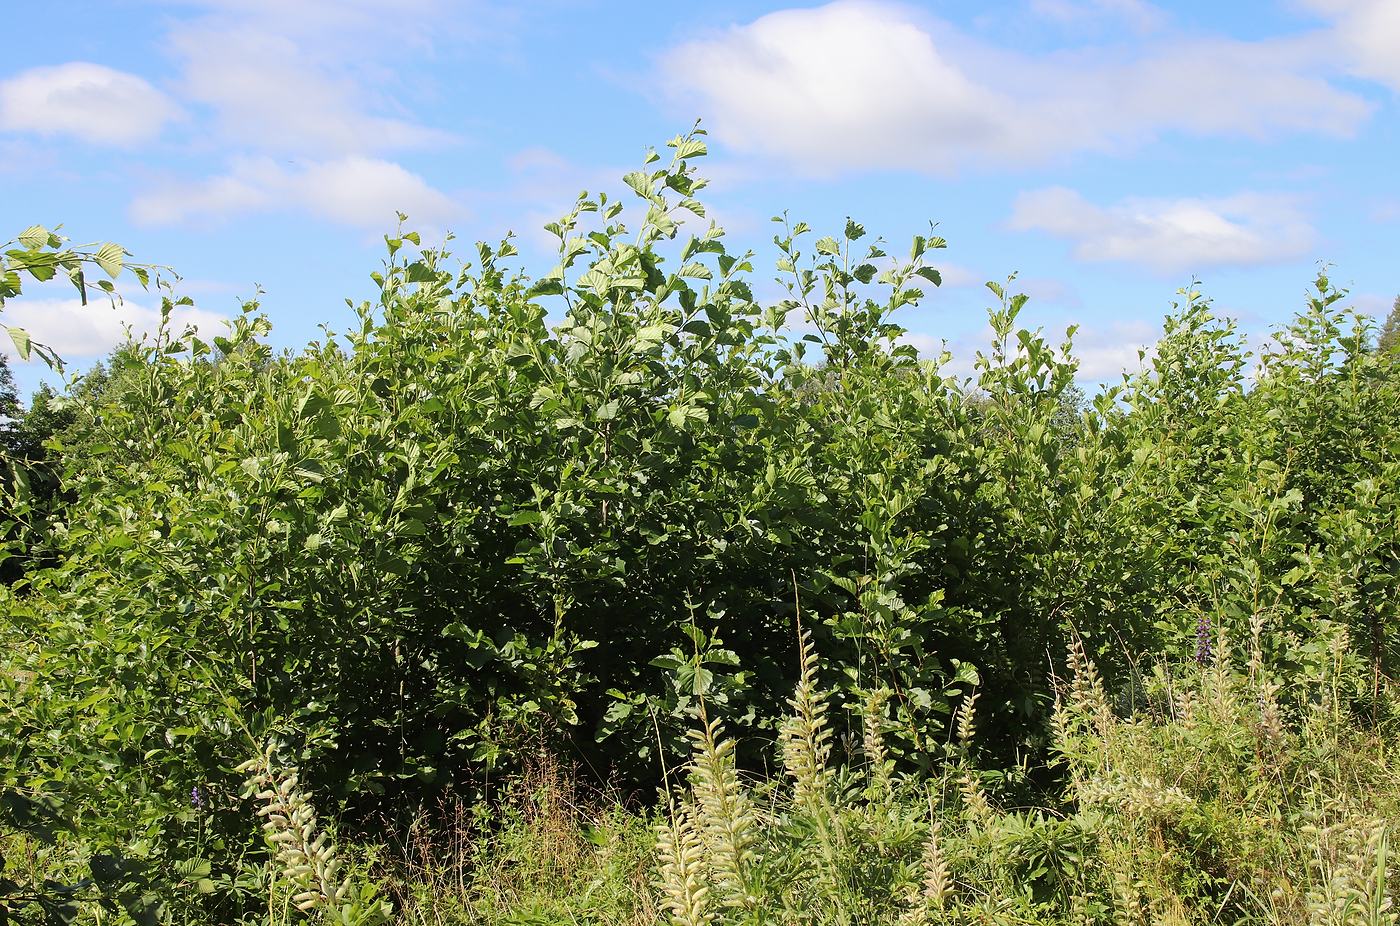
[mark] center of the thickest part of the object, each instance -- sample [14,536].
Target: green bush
[469,529]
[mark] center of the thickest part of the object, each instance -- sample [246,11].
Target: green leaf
[110,258]
[691,148]
[20,337]
[42,268]
[34,237]
[641,183]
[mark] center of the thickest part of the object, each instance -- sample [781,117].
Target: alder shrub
[508,513]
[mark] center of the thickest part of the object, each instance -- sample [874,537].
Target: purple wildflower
[1204,652]
[196,799]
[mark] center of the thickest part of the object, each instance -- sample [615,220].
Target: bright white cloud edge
[90,102]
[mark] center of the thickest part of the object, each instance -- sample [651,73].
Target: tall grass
[1198,800]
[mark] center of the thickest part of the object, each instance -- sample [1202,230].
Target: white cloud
[249,188]
[861,84]
[79,332]
[357,191]
[844,85]
[269,94]
[1105,351]
[368,192]
[322,78]
[1137,14]
[1170,235]
[1367,36]
[86,101]
[928,346]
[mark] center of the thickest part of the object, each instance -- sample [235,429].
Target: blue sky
[1107,150]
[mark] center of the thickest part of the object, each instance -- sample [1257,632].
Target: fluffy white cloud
[844,85]
[1367,36]
[1170,235]
[860,84]
[358,191]
[80,332]
[86,101]
[368,192]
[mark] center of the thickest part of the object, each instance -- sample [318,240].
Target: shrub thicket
[468,530]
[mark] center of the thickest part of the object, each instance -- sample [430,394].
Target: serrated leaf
[33,237]
[20,338]
[110,257]
[691,148]
[640,182]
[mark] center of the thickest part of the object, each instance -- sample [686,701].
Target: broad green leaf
[110,258]
[21,340]
[691,148]
[34,237]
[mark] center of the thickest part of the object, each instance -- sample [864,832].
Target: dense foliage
[469,530]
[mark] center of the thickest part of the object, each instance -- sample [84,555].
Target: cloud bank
[860,84]
[1170,235]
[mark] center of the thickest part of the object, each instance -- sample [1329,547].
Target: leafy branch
[42,254]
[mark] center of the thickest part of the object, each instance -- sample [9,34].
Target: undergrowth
[1203,800]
